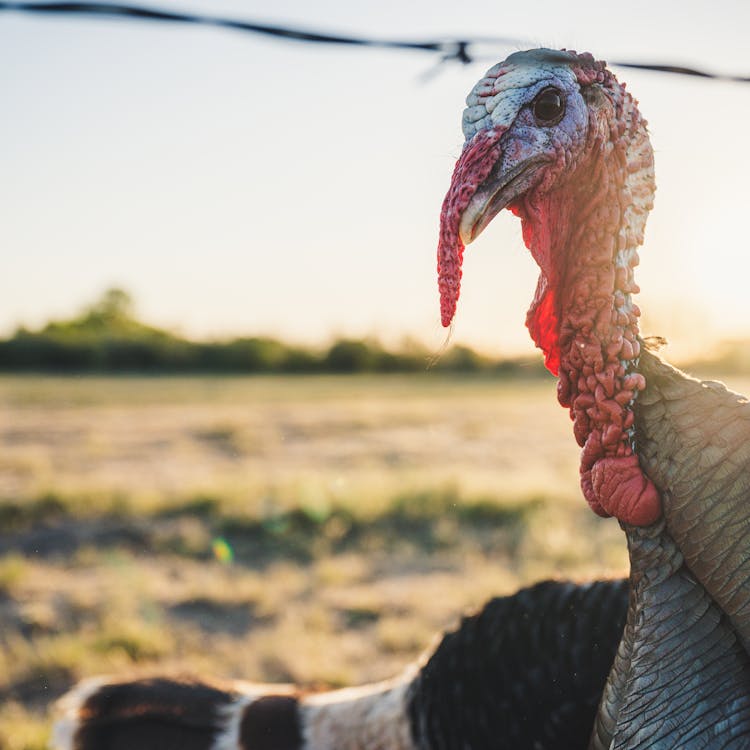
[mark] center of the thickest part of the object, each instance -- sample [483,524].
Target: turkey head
[553,136]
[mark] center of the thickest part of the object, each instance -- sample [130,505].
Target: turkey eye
[548,107]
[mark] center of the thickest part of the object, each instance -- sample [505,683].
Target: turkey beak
[509,179]
[489,175]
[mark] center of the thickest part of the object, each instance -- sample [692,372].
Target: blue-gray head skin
[535,99]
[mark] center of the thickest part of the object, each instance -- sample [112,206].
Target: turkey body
[524,673]
[687,632]
[554,136]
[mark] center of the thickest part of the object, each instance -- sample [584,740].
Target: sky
[239,185]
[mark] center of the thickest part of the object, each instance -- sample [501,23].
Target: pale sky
[235,184]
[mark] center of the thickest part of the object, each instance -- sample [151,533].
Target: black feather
[152,714]
[525,673]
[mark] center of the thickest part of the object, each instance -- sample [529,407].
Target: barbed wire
[449,50]
[684,71]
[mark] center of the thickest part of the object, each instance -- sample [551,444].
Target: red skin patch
[580,316]
[543,323]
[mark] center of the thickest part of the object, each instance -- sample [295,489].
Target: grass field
[315,530]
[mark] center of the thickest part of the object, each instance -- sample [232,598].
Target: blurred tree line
[107,337]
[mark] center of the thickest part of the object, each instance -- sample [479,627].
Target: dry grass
[363,515]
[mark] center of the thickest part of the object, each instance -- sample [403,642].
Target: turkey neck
[680,677]
[584,235]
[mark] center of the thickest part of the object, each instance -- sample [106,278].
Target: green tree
[114,305]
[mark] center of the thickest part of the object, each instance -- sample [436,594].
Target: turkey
[554,137]
[524,673]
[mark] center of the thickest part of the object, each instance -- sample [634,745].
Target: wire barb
[449,50]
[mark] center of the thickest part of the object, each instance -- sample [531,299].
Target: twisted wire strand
[450,50]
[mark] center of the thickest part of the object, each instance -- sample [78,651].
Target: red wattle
[472,169]
[584,322]
[622,490]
